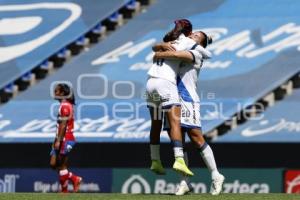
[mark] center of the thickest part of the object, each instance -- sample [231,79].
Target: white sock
[63,172]
[209,159]
[155,151]
[178,152]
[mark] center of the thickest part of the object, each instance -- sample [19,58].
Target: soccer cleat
[157,167]
[183,188]
[76,184]
[63,180]
[180,166]
[217,185]
[64,190]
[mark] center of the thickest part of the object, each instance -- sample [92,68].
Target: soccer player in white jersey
[162,94]
[190,101]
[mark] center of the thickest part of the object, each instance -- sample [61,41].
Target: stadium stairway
[279,123]
[235,124]
[52,44]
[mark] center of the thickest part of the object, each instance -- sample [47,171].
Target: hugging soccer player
[191,61]
[64,139]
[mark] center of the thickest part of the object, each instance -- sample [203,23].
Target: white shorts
[190,116]
[162,93]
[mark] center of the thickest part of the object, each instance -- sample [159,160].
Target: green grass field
[39,196]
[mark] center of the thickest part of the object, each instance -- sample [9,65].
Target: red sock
[63,180]
[72,177]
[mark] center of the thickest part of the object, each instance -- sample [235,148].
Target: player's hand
[156,56]
[56,145]
[167,46]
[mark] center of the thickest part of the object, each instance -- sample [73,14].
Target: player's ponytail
[182,26]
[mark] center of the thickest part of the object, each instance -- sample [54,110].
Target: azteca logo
[293,186]
[8,184]
[136,184]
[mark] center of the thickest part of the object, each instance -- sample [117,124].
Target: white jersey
[188,75]
[169,69]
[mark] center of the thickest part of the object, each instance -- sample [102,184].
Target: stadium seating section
[279,123]
[255,50]
[47,28]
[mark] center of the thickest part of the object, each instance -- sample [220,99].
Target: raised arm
[185,56]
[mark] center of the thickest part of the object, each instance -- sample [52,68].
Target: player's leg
[156,126]
[166,94]
[53,162]
[171,103]
[53,158]
[208,158]
[64,174]
[57,163]
[184,185]
[192,121]
[173,116]
[76,180]
[153,103]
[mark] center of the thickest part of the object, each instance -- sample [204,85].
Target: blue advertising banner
[46,180]
[141,180]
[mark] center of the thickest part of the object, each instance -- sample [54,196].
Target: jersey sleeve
[204,52]
[197,58]
[65,110]
[184,43]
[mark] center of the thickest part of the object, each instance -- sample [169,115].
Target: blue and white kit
[161,89]
[187,87]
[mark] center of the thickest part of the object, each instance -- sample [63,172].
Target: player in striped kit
[190,101]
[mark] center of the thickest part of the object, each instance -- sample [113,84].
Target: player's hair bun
[209,40]
[182,26]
